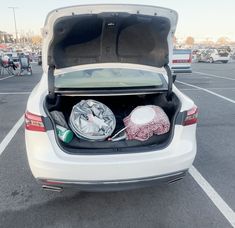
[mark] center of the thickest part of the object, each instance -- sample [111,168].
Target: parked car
[40,58]
[214,55]
[232,54]
[182,60]
[105,53]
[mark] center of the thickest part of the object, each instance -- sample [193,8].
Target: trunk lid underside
[109,33]
[104,38]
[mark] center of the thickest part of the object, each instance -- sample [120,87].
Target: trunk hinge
[51,81]
[170,82]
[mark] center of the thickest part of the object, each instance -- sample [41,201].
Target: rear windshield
[110,77]
[181,51]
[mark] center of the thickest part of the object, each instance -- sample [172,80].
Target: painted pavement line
[213,75]
[208,91]
[11,134]
[14,93]
[217,88]
[7,77]
[222,206]
[213,195]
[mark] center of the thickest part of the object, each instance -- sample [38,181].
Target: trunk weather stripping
[51,81]
[109,91]
[170,82]
[165,88]
[178,119]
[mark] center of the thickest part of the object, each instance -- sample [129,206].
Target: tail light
[190,58]
[192,116]
[34,122]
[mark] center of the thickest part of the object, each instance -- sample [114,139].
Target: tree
[189,41]
[36,40]
[175,40]
[208,42]
[223,41]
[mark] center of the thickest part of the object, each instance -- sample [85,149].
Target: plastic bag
[92,120]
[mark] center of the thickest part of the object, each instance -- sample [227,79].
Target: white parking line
[14,93]
[213,195]
[213,75]
[208,91]
[7,77]
[203,183]
[230,88]
[11,134]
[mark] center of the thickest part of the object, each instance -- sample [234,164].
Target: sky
[198,18]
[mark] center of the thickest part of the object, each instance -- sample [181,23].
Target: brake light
[34,122]
[183,60]
[190,58]
[192,116]
[180,61]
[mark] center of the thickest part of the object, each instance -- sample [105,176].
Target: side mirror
[173,77]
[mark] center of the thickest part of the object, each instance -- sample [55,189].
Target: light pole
[13,9]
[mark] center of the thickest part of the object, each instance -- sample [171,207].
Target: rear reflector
[181,61]
[189,60]
[34,122]
[192,116]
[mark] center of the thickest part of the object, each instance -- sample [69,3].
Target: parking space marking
[213,195]
[15,93]
[213,75]
[231,88]
[203,183]
[7,77]
[11,134]
[208,91]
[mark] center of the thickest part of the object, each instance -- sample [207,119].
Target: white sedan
[214,55]
[118,55]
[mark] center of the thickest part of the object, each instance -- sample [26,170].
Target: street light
[13,9]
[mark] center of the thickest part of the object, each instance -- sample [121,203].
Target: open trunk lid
[96,34]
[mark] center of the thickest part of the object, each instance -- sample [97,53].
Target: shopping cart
[7,66]
[25,65]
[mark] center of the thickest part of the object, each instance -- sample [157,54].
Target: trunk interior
[121,106]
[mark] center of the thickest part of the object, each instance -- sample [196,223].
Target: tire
[225,61]
[211,60]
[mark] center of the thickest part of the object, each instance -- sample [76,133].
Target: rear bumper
[179,70]
[222,58]
[113,185]
[48,162]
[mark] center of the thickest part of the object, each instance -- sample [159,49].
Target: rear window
[110,78]
[181,51]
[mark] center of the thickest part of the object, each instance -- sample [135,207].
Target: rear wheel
[211,60]
[225,61]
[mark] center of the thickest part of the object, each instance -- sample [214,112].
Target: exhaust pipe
[175,180]
[52,188]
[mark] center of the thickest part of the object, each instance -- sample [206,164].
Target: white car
[118,55]
[214,55]
[182,61]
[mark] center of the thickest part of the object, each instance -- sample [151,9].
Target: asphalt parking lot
[196,201]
